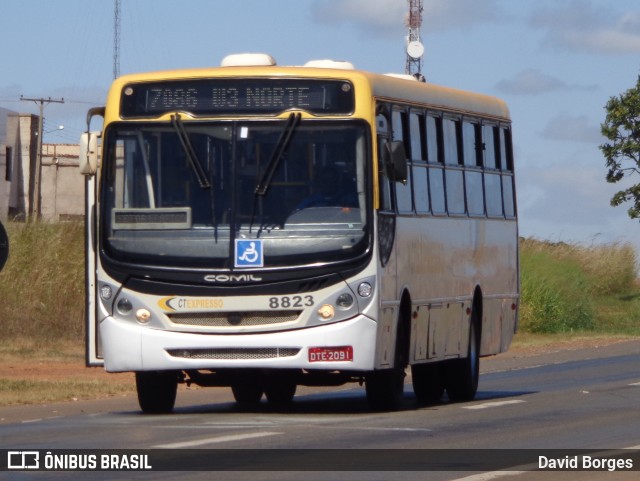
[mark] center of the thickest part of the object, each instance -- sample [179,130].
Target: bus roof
[382,86]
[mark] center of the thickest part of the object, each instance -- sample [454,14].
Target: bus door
[88,162]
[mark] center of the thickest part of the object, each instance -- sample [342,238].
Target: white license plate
[331,354]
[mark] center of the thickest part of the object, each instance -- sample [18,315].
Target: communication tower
[116,38]
[415,48]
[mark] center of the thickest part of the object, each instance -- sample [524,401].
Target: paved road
[573,399]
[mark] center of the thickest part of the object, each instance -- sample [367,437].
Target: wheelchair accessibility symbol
[249,253]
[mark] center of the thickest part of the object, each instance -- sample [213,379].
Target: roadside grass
[568,293]
[35,372]
[34,391]
[42,283]
[569,288]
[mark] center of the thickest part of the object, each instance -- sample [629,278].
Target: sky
[555,62]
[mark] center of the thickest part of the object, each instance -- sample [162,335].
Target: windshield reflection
[182,196]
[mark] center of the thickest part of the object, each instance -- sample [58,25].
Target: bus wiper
[278,152]
[201,175]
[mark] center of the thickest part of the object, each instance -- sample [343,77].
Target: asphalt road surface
[549,403]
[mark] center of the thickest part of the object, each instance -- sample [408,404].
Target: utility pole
[35,205]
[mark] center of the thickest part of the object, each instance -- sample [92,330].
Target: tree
[622,128]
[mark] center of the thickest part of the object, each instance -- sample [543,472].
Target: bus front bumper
[342,346]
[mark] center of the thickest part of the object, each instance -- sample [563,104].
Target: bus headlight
[106,292]
[326,312]
[124,306]
[345,301]
[143,315]
[365,289]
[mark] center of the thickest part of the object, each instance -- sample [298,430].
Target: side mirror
[396,159]
[89,153]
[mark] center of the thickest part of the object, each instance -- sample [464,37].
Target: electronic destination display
[231,96]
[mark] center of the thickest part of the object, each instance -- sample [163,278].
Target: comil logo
[23,460]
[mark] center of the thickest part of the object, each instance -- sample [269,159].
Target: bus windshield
[184,193]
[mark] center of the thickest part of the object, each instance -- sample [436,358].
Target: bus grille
[234,319]
[232,353]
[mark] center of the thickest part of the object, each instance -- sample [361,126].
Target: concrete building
[51,191]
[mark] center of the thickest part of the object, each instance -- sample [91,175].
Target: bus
[263,227]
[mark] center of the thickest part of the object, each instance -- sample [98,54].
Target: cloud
[388,17]
[572,128]
[379,16]
[459,14]
[535,82]
[572,196]
[531,82]
[579,26]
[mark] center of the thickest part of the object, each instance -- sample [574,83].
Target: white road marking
[216,440]
[404,430]
[490,475]
[493,404]
[635,384]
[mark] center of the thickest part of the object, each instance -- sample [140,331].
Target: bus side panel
[501,297]
[92,346]
[420,332]
[441,261]
[386,336]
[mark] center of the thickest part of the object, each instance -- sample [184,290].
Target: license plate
[331,354]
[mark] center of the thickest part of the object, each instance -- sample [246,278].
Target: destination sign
[231,96]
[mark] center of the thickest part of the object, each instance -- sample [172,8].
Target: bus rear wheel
[156,391]
[463,374]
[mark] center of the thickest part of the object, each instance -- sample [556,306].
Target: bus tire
[428,385]
[462,375]
[385,389]
[280,391]
[247,394]
[156,391]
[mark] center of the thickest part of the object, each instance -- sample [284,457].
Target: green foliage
[564,287]
[555,295]
[567,288]
[42,284]
[622,128]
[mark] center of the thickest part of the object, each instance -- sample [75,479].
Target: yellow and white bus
[264,227]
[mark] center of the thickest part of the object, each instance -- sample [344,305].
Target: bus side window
[384,186]
[506,151]
[451,141]
[454,181]
[418,162]
[435,171]
[416,134]
[472,144]
[403,190]
[472,151]
[492,182]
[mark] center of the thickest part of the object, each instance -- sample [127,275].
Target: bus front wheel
[280,391]
[247,394]
[156,391]
[385,389]
[428,385]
